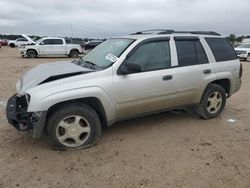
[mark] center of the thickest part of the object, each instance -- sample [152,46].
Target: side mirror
[42,43]
[129,68]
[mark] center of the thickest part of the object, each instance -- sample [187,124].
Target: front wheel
[74,53]
[12,45]
[73,126]
[212,102]
[31,54]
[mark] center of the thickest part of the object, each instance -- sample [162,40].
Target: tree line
[232,37]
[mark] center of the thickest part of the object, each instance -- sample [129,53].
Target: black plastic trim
[187,38]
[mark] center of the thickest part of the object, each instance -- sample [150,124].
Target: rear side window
[222,49]
[57,41]
[190,52]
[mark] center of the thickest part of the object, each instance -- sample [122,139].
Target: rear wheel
[12,45]
[75,126]
[212,102]
[74,53]
[31,54]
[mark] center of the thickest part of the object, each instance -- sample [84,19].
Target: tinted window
[222,49]
[48,41]
[22,39]
[53,41]
[190,52]
[152,56]
[57,41]
[201,54]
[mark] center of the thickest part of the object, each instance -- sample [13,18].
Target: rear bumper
[18,117]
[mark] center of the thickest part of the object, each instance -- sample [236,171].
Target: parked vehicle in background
[3,42]
[246,40]
[19,42]
[50,46]
[92,44]
[122,78]
[243,51]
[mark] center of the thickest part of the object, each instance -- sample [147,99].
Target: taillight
[241,71]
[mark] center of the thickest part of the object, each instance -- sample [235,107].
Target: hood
[48,72]
[29,39]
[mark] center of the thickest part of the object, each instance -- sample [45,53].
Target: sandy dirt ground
[172,149]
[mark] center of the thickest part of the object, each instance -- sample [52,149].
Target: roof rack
[169,31]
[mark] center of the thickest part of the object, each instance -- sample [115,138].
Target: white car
[243,51]
[50,46]
[19,42]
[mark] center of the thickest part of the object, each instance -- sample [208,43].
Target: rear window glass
[222,49]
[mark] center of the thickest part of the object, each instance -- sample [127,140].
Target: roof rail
[153,31]
[169,31]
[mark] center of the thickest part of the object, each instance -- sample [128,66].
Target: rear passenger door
[192,69]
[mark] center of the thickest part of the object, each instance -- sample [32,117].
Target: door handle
[167,77]
[207,71]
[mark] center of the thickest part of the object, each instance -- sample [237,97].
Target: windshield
[107,52]
[39,40]
[244,46]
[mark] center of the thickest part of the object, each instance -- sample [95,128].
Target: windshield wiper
[83,63]
[91,64]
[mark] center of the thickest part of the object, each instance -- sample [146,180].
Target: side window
[47,41]
[57,41]
[201,54]
[190,52]
[222,49]
[22,39]
[152,56]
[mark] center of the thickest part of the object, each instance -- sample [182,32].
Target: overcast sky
[104,18]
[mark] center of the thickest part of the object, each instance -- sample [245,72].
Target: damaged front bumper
[21,119]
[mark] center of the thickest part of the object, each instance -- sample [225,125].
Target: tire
[12,45]
[74,53]
[73,126]
[248,58]
[212,102]
[31,54]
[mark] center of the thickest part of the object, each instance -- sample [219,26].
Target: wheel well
[30,50]
[225,83]
[93,102]
[74,49]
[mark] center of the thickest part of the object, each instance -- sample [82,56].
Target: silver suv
[125,77]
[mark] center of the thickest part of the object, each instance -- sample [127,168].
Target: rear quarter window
[222,49]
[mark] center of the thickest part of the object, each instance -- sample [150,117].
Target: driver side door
[152,88]
[46,47]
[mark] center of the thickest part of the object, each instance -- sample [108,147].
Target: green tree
[232,38]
